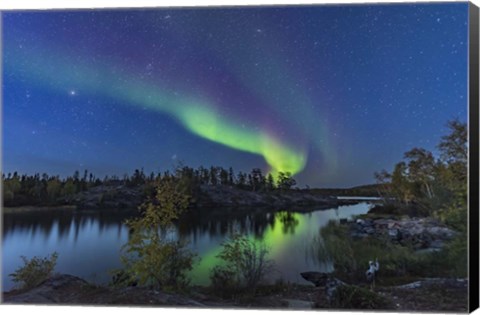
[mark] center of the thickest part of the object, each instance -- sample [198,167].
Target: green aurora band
[59,72]
[268,72]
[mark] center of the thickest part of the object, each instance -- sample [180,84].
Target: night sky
[329,93]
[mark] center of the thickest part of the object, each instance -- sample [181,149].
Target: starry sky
[329,93]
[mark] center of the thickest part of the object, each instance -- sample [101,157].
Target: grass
[397,263]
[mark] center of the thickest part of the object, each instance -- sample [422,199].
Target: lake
[89,244]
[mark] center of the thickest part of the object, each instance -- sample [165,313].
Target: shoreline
[212,208]
[125,199]
[25,209]
[423,294]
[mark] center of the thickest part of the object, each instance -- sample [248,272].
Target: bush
[223,281]
[246,265]
[164,264]
[34,271]
[150,258]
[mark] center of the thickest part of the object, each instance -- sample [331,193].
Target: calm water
[89,244]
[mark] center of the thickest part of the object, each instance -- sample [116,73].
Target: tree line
[435,185]
[48,190]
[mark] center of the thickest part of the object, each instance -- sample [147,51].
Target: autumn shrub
[34,271]
[150,257]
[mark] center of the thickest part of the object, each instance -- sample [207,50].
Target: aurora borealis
[329,93]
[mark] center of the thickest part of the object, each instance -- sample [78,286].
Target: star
[255,86]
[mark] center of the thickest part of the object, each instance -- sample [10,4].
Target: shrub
[163,264]
[223,280]
[245,264]
[151,258]
[34,271]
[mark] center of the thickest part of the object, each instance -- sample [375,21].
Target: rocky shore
[70,290]
[226,196]
[121,197]
[427,234]
[422,295]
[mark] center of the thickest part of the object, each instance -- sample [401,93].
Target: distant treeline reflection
[195,225]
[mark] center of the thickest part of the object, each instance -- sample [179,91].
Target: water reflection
[89,243]
[222,224]
[289,221]
[43,223]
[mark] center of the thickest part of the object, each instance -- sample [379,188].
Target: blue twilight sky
[343,89]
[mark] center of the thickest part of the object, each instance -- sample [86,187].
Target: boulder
[319,279]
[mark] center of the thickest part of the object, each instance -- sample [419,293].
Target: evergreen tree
[285,181]
[270,182]
[213,176]
[231,177]
[241,180]
[223,177]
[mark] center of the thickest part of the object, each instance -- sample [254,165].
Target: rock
[319,279]
[368,222]
[369,230]
[418,233]
[393,225]
[57,289]
[440,232]
[116,197]
[331,287]
[68,289]
[393,233]
[437,244]
[119,196]
[445,282]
